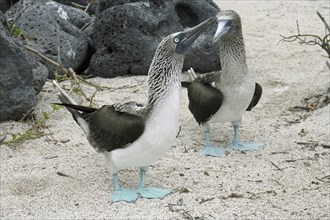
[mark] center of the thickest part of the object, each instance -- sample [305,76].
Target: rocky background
[94,38]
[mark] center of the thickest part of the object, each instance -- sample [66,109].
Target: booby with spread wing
[225,95]
[131,135]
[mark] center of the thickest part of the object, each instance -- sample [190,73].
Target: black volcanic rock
[21,78]
[127,33]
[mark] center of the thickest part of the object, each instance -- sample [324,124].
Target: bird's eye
[176,40]
[230,23]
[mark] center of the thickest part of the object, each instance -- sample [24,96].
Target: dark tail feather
[81,108]
[70,104]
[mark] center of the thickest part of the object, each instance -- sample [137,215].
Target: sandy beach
[60,176]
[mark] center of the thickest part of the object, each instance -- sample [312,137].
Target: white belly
[236,100]
[159,135]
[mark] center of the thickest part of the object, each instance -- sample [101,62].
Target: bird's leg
[150,193]
[236,139]
[241,146]
[121,194]
[210,149]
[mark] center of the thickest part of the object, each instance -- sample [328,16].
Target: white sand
[280,181]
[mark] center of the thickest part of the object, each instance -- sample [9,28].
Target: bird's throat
[232,54]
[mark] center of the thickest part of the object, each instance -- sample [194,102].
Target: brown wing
[108,129]
[204,100]
[111,129]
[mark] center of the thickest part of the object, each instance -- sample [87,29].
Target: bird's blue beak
[189,36]
[224,27]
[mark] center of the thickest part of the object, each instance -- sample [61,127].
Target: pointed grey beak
[223,29]
[191,34]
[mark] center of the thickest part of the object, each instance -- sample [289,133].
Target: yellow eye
[176,40]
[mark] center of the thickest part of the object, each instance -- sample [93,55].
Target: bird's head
[229,23]
[180,42]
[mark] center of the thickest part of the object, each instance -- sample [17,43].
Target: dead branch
[67,71]
[56,64]
[311,39]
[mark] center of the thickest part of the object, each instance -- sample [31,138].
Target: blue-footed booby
[224,96]
[130,135]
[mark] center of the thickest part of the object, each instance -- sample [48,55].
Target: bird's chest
[161,129]
[163,124]
[237,93]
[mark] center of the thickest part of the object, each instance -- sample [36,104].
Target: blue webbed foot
[150,193]
[210,149]
[241,146]
[214,151]
[127,195]
[245,146]
[153,193]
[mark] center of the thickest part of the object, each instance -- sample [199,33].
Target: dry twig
[311,39]
[277,167]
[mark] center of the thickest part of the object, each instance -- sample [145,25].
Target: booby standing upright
[225,95]
[130,135]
